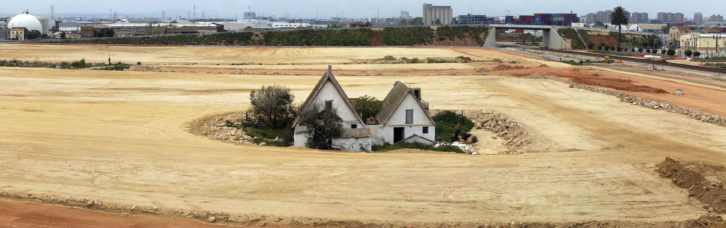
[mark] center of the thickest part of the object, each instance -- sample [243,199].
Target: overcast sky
[352,8]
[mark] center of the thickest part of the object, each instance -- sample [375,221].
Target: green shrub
[268,132]
[398,146]
[368,106]
[117,67]
[448,123]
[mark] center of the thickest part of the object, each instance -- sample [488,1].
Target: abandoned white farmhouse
[403,118]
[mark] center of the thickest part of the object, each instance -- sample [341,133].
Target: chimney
[417,93]
[330,69]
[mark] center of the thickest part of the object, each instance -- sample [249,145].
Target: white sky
[353,8]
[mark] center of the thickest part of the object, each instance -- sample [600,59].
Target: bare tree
[272,103]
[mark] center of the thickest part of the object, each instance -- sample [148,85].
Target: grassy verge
[713,59]
[389,147]
[266,133]
[65,65]
[719,65]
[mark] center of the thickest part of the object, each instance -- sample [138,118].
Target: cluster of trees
[408,35]
[419,35]
[690,53]
[339,37]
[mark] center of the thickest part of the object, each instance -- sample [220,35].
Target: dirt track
[122,137]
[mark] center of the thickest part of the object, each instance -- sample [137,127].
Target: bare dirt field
[124,138]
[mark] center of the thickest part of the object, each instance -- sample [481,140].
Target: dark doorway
[397,134]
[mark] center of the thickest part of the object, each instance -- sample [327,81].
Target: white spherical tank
[26,21]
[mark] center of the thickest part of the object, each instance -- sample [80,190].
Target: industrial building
[437,15]
[563,19]
[125,29]
[708,44]
[4,31]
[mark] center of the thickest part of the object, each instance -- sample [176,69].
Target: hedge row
[408,36]
[342,37]
[421,35]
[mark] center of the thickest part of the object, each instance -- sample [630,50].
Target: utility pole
[716,36]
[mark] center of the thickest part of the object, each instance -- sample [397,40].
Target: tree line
[418,35]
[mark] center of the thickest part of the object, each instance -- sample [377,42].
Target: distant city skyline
[346,8]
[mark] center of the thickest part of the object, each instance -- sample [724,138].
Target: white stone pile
[223,128]
[513,132]
[644,102]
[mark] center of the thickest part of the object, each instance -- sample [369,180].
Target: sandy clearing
[108,135]
[210,54]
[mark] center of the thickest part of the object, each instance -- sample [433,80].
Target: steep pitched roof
[394,99]
[328,77]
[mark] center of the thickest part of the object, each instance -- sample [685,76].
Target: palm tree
[619,18]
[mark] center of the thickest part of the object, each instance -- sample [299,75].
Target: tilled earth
[124,138]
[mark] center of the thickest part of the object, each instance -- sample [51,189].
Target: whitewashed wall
[399,117]
[328,92]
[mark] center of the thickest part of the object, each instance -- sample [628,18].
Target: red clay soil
[597,40]
[709,191]
[28,214]
[586,77]
[705,99]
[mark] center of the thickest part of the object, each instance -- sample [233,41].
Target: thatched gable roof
[328,77]
[394,99]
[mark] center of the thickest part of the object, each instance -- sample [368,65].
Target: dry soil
[124,138]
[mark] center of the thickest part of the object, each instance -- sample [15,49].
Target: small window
[354,126]
[409,116]
[425,130]
[329,105]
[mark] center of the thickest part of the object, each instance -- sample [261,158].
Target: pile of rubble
[634,100]
[513,132]
[223,127]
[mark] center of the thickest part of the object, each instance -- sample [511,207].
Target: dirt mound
[502,67]
[702,181]
[588,77]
